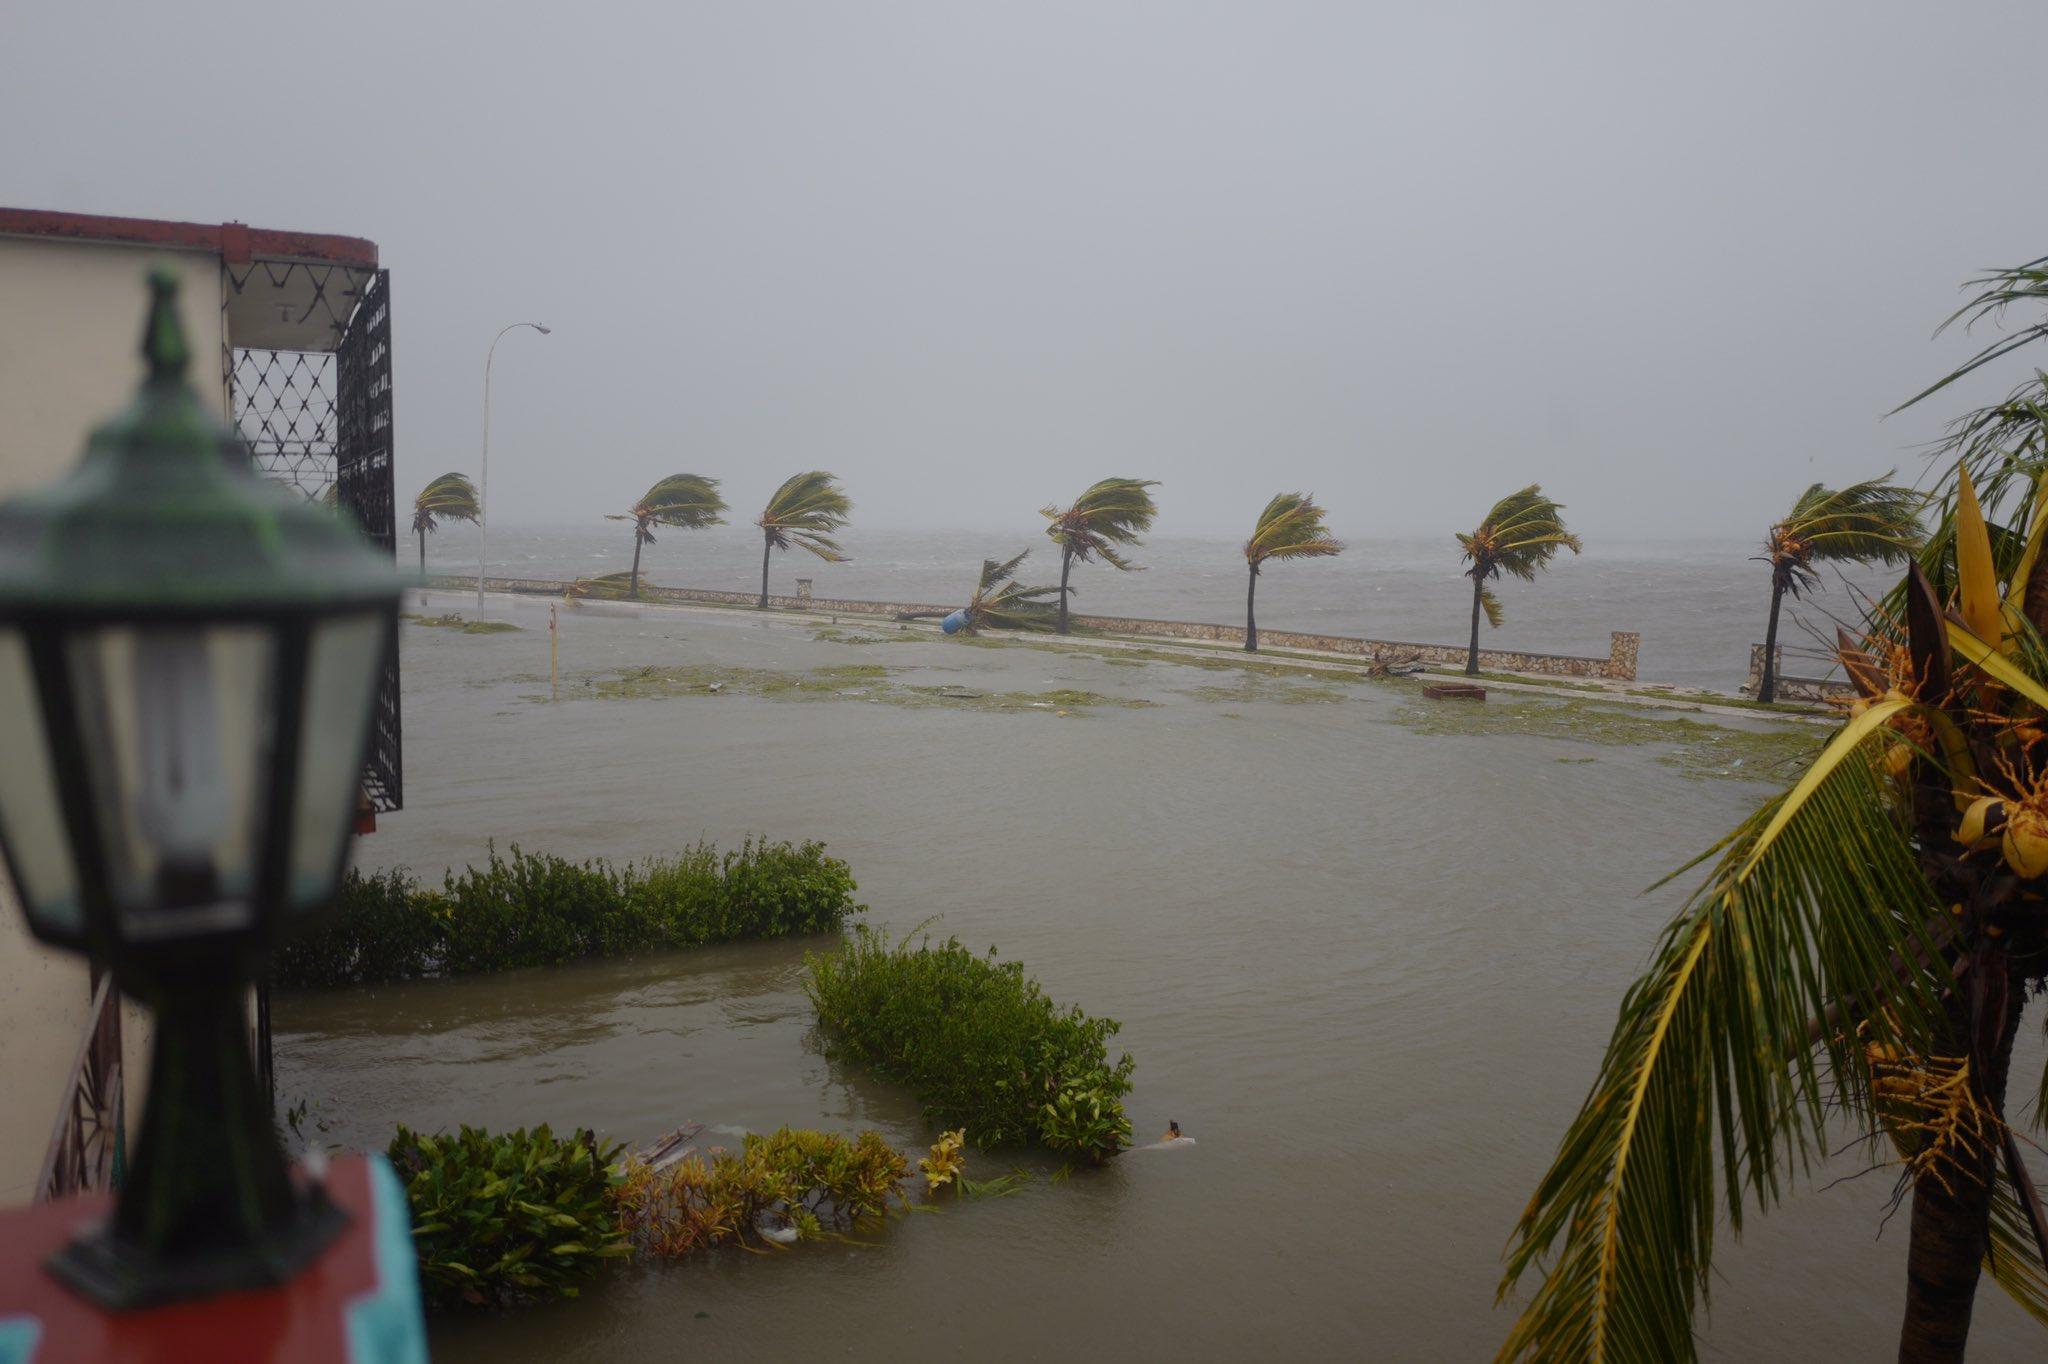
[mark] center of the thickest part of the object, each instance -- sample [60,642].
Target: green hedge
[977,1041]
[535,910]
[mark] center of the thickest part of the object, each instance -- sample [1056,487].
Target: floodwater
[1369,969]
[1697,604]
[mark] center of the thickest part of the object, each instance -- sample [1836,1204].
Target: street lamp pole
[483,491]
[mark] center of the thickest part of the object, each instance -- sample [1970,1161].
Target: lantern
[189,659]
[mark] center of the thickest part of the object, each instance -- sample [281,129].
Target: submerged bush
[535,910]
[500,1218]
[977,1041]
[794,1181]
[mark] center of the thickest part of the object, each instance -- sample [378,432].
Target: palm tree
[1001,602]
[687,501]
[450,497]
[1291,527]
[1114,512]
[1521,535]
[805,511]
[1871,522]
[1862,949]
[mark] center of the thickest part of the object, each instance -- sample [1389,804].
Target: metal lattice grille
[286,409]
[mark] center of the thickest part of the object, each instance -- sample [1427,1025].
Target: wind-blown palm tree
[1000,602]
[1114,512]
[1291,527]
[1521,535]
[451,497]
[805,511]
[1860,951]
[1870,522]
[686,501]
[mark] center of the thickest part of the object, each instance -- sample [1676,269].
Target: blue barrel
[955,623]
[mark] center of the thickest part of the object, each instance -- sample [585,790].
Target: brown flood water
[1369,969]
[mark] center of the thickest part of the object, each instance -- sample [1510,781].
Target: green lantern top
[165,516]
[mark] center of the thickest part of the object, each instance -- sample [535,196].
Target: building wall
[71,317]
[1619,665]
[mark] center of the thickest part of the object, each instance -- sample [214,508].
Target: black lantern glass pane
[31,813]
[176,722]
[343,664]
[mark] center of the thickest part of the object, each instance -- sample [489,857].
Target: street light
[189,660]
[483,487]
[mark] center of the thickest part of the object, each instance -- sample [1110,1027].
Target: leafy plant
[686,501]
[1086,1119]
[451,497]
[500,1218]
[793,1181]
[535,910]
[1111,513]
[1291,527]
[946,1160]
[1521,535]
[805,511]
[1875,521]
[1861,951]
[977,1040]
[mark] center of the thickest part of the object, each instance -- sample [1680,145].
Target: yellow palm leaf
[2017,597]
[1999,669]
[1977,581]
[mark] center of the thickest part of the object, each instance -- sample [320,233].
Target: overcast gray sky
[1673,262]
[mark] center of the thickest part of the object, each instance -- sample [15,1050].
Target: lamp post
[188,669]
[483,487]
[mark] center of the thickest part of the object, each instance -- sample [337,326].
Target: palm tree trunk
[1952,1220]
[1767,686]
[633,586]
[1472,654]
[1066,567]
[767,548]
[1251,624]
[423,551]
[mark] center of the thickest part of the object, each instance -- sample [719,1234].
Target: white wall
[71,318]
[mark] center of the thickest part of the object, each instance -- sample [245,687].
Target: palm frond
[1712,1090]
[450,497]
[1875,521]
[1520,535]
[686,501]
[1491,605]
[1997,291]
[805,511]
[604,587]
[2014,1260]
[1115,511]
[1000,602]
[1291,527]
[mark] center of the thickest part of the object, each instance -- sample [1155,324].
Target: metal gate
[320,421]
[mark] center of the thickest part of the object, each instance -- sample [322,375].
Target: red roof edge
[236,241]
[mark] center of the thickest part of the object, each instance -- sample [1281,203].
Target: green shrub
[508,1217]
[535,910]
[977,1041]
[800,1179]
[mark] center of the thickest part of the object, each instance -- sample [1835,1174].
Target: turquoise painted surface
[19,1337]
[385,1325]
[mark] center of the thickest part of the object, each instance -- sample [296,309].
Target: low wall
[1796,688]
[1619,665]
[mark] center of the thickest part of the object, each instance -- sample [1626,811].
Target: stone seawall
[1796,688]
[1619,665]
